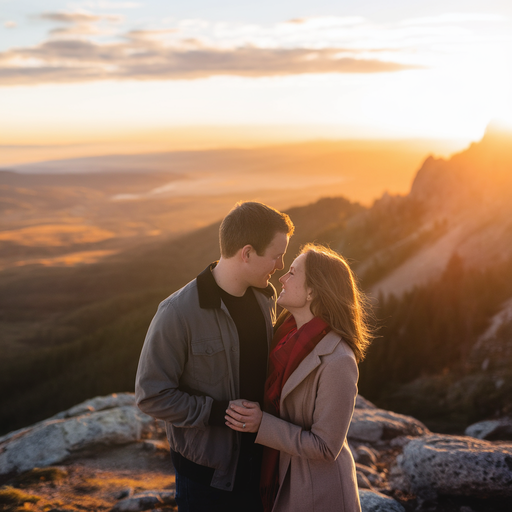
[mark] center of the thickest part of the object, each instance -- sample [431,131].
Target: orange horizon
[32,147]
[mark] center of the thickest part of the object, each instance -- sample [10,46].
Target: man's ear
[246,252]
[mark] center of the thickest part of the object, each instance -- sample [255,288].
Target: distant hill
[460,205]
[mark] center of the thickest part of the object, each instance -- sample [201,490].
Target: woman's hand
[243,416]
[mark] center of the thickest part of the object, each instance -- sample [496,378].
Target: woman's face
[295,295]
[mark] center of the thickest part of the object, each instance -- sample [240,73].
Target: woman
[311,389]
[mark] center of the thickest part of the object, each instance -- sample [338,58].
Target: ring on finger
[243,425]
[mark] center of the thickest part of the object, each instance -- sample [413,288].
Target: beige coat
[316,468]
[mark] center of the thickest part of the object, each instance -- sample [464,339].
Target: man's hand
[243,416]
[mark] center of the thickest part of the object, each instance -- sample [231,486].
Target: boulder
[366,456]
[99,403]
[52,441]
[491,430]
[362,481]
[376,502]
[458,466]
[371,474]
[145,501]
[372,425]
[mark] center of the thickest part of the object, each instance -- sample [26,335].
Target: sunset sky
[166,74]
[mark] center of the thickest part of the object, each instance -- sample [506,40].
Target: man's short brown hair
[252,223]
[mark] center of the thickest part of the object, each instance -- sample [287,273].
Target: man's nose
[279,264]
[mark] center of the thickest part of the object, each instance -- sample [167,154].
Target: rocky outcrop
[99,403]
[52,441]
[145,501]
[372,425]
[491,430]
[376,502]
[457,466]
[399,462]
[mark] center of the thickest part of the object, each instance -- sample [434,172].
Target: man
[206,346]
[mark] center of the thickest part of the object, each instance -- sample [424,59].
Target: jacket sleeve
[334,406]
[161,364]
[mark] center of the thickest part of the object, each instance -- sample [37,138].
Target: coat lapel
[325,346]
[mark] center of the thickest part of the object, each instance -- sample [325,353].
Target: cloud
[78,17]
[75,30]
[195,49]
[149,59]
[69,17]
[112,5]
[10,24]
[149,34]
[455,18]
[77,23]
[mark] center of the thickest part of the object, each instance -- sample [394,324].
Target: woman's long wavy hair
[337,299]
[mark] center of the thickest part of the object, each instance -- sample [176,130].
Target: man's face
[261,268]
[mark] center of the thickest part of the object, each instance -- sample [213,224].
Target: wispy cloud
[195,48]
[111,5]
[455,18]
[77,17]
[144,59]
[10,24]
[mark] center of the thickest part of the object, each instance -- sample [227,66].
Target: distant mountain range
[469,198]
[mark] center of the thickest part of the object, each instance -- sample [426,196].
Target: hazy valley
[71,211]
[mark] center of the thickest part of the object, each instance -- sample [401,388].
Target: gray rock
[376,502]
[52,441]
[370,473]
[397,480]
[362,481]
[145,501]
[362,403]
[125,493]
[99,403]
[453,465]
[491,430]
[400,441]
[372,425]
[366,456]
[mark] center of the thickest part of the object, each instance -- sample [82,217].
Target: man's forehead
[279,242]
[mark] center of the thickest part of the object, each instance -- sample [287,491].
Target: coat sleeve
[334,405]
[162,360]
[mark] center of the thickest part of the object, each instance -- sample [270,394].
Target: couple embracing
[257,409]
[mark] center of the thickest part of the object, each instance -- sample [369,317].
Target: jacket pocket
[209,360]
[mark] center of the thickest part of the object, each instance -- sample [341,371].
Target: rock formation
[116,458]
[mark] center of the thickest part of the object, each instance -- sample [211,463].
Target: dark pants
[192,496]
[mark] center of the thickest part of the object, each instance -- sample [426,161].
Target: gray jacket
[192,343]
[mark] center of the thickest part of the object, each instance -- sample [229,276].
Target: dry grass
[13,499]
[38,475]
[77,488]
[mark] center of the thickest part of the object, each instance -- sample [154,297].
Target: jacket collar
[208,290]
[325,346]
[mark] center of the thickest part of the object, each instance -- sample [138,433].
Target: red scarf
[289,347]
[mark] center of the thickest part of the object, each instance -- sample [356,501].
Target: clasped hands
[243,415]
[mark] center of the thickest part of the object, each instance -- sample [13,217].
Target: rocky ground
[105,455]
